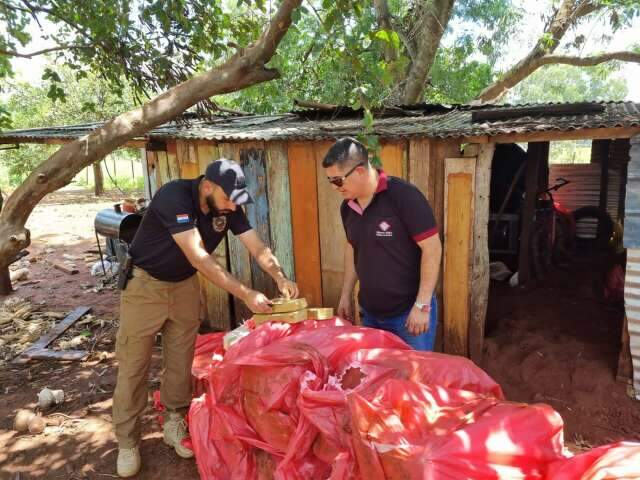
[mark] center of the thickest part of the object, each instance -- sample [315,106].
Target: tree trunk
[429,23]
[98,179]
[5,279]
[244,69]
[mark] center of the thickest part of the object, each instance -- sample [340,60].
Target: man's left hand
[288,288]
[417,321]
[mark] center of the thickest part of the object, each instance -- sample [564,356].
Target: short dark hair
[346,151]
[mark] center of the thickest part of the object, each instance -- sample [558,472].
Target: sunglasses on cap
[339,181]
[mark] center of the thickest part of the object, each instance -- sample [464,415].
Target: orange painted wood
[393,159]
[304,214]
[459,220]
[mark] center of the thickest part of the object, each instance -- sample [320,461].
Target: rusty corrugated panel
[584,191]
[419,123]
[632,307]
[632,243]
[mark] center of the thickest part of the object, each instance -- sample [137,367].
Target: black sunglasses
[339,181]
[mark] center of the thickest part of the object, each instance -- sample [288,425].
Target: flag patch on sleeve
[182,218]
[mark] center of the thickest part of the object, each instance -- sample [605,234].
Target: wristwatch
[423,307]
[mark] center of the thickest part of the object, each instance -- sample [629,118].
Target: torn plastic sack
[616,461]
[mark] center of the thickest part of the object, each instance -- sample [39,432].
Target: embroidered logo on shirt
[384,230]
[219,223]
[182,218]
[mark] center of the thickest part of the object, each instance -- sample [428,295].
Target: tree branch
[590,61]
[239,72]
[567,15]
[12,53]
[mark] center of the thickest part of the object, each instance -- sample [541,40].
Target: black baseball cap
[229,176]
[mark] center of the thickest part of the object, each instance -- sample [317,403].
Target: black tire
[564,241]
[541,252]
[586,219]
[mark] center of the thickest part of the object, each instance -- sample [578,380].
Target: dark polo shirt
[384,238]
[175,208]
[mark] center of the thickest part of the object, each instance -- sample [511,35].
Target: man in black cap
[185,222]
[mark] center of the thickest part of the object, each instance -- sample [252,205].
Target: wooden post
[98,179]
[480,269]
[604,149]
[459,198]
[537,153]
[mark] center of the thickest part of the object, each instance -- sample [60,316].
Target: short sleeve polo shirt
[385,237]
[175,208]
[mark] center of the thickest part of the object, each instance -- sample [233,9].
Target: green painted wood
[280,206]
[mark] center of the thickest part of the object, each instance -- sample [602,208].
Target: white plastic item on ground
[111,268]
[234,336]
[499,271]
[513,281]
[19,274]
[48,398]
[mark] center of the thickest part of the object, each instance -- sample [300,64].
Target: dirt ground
[83,447]
[556,344]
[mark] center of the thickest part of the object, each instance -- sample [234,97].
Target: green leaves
[388,36]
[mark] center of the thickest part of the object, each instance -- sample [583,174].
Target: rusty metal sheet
[415,122]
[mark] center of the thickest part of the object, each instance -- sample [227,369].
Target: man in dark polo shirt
[185,222]
[393,246]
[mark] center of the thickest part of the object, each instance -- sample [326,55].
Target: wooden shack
[445,150]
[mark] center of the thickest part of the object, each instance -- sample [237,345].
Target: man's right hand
[345,308]
[258,302]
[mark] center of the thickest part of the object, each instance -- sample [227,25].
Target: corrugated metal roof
[417,120]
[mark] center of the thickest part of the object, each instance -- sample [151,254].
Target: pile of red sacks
[328,400]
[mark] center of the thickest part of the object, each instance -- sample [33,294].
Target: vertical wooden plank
[480,269]
[162,168]
[253,164]
[217,300]
[172,161]
[419,165]
[392,157]
[440,150]
[304,214]
[239,258]
[280,206]
[151,179]
[459,220]
[625,365]
[536,155]
[331,232]
[206,152]
[187,157]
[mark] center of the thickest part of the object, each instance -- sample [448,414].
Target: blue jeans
[397,326]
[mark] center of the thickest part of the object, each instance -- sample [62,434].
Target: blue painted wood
[253,161]
[632,201]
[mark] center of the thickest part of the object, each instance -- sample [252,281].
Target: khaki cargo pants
[149,306]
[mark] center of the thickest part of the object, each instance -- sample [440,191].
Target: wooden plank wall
[303,181]
[458,228]
[480,248]
[426,165]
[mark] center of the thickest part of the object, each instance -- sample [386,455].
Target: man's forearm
[219,276]
[350,275]
[270,264]
[429,272]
